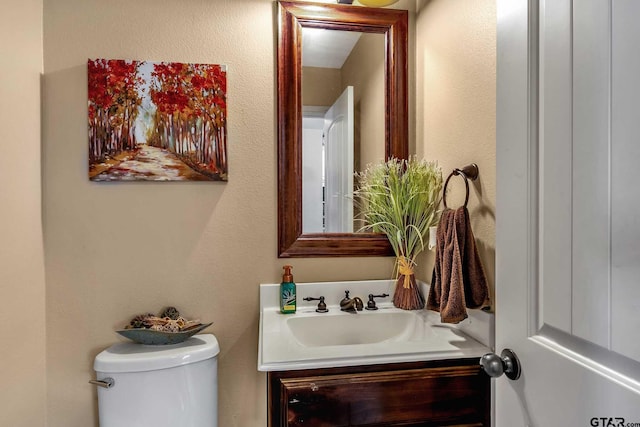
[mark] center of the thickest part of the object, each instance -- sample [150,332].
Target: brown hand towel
[458,280]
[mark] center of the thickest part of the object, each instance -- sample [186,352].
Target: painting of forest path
[157,121]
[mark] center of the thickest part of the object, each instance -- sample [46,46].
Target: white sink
[308,340]
[351,329]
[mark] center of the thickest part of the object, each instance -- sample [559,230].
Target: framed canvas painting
[157,121]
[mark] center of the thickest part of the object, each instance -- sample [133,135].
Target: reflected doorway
[327,176]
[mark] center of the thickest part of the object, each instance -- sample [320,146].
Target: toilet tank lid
[132,357]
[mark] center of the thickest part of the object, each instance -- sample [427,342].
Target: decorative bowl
[151,337]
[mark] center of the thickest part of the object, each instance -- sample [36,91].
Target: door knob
[507,363]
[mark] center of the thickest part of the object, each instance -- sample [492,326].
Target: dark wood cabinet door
[427,396]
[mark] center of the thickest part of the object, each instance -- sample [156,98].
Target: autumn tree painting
[157,121]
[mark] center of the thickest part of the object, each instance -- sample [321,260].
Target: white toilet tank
[159,385]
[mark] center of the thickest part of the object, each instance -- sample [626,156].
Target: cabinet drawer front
[440,395]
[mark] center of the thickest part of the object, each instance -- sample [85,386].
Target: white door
[338,134]
[568,212]
[312,174]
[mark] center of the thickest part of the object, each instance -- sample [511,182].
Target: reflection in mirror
[342,122]
[386,128]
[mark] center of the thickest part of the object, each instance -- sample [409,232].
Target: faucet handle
[371,304]
[322,306]
[346,298]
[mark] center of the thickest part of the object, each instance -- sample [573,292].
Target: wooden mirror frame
[292,16]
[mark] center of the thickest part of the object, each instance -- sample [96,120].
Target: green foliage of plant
[400,198]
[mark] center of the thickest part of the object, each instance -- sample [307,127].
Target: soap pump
[287,291]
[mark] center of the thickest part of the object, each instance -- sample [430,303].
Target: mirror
[309,94]
[342,122]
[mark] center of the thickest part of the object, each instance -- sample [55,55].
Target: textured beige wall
[22,289]
[114,250]
[456,105]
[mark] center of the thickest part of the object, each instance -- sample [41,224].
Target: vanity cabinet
[437,393]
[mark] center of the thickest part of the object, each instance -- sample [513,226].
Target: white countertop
[279,350]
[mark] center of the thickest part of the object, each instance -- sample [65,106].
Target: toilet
[159,385]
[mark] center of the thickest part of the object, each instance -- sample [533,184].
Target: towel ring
[469,172]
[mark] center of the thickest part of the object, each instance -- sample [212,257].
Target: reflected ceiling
[327,48]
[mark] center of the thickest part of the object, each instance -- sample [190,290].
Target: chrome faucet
[351,305]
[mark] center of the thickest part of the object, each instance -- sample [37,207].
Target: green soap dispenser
[287,292]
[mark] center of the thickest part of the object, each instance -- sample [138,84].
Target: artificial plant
[400,198]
